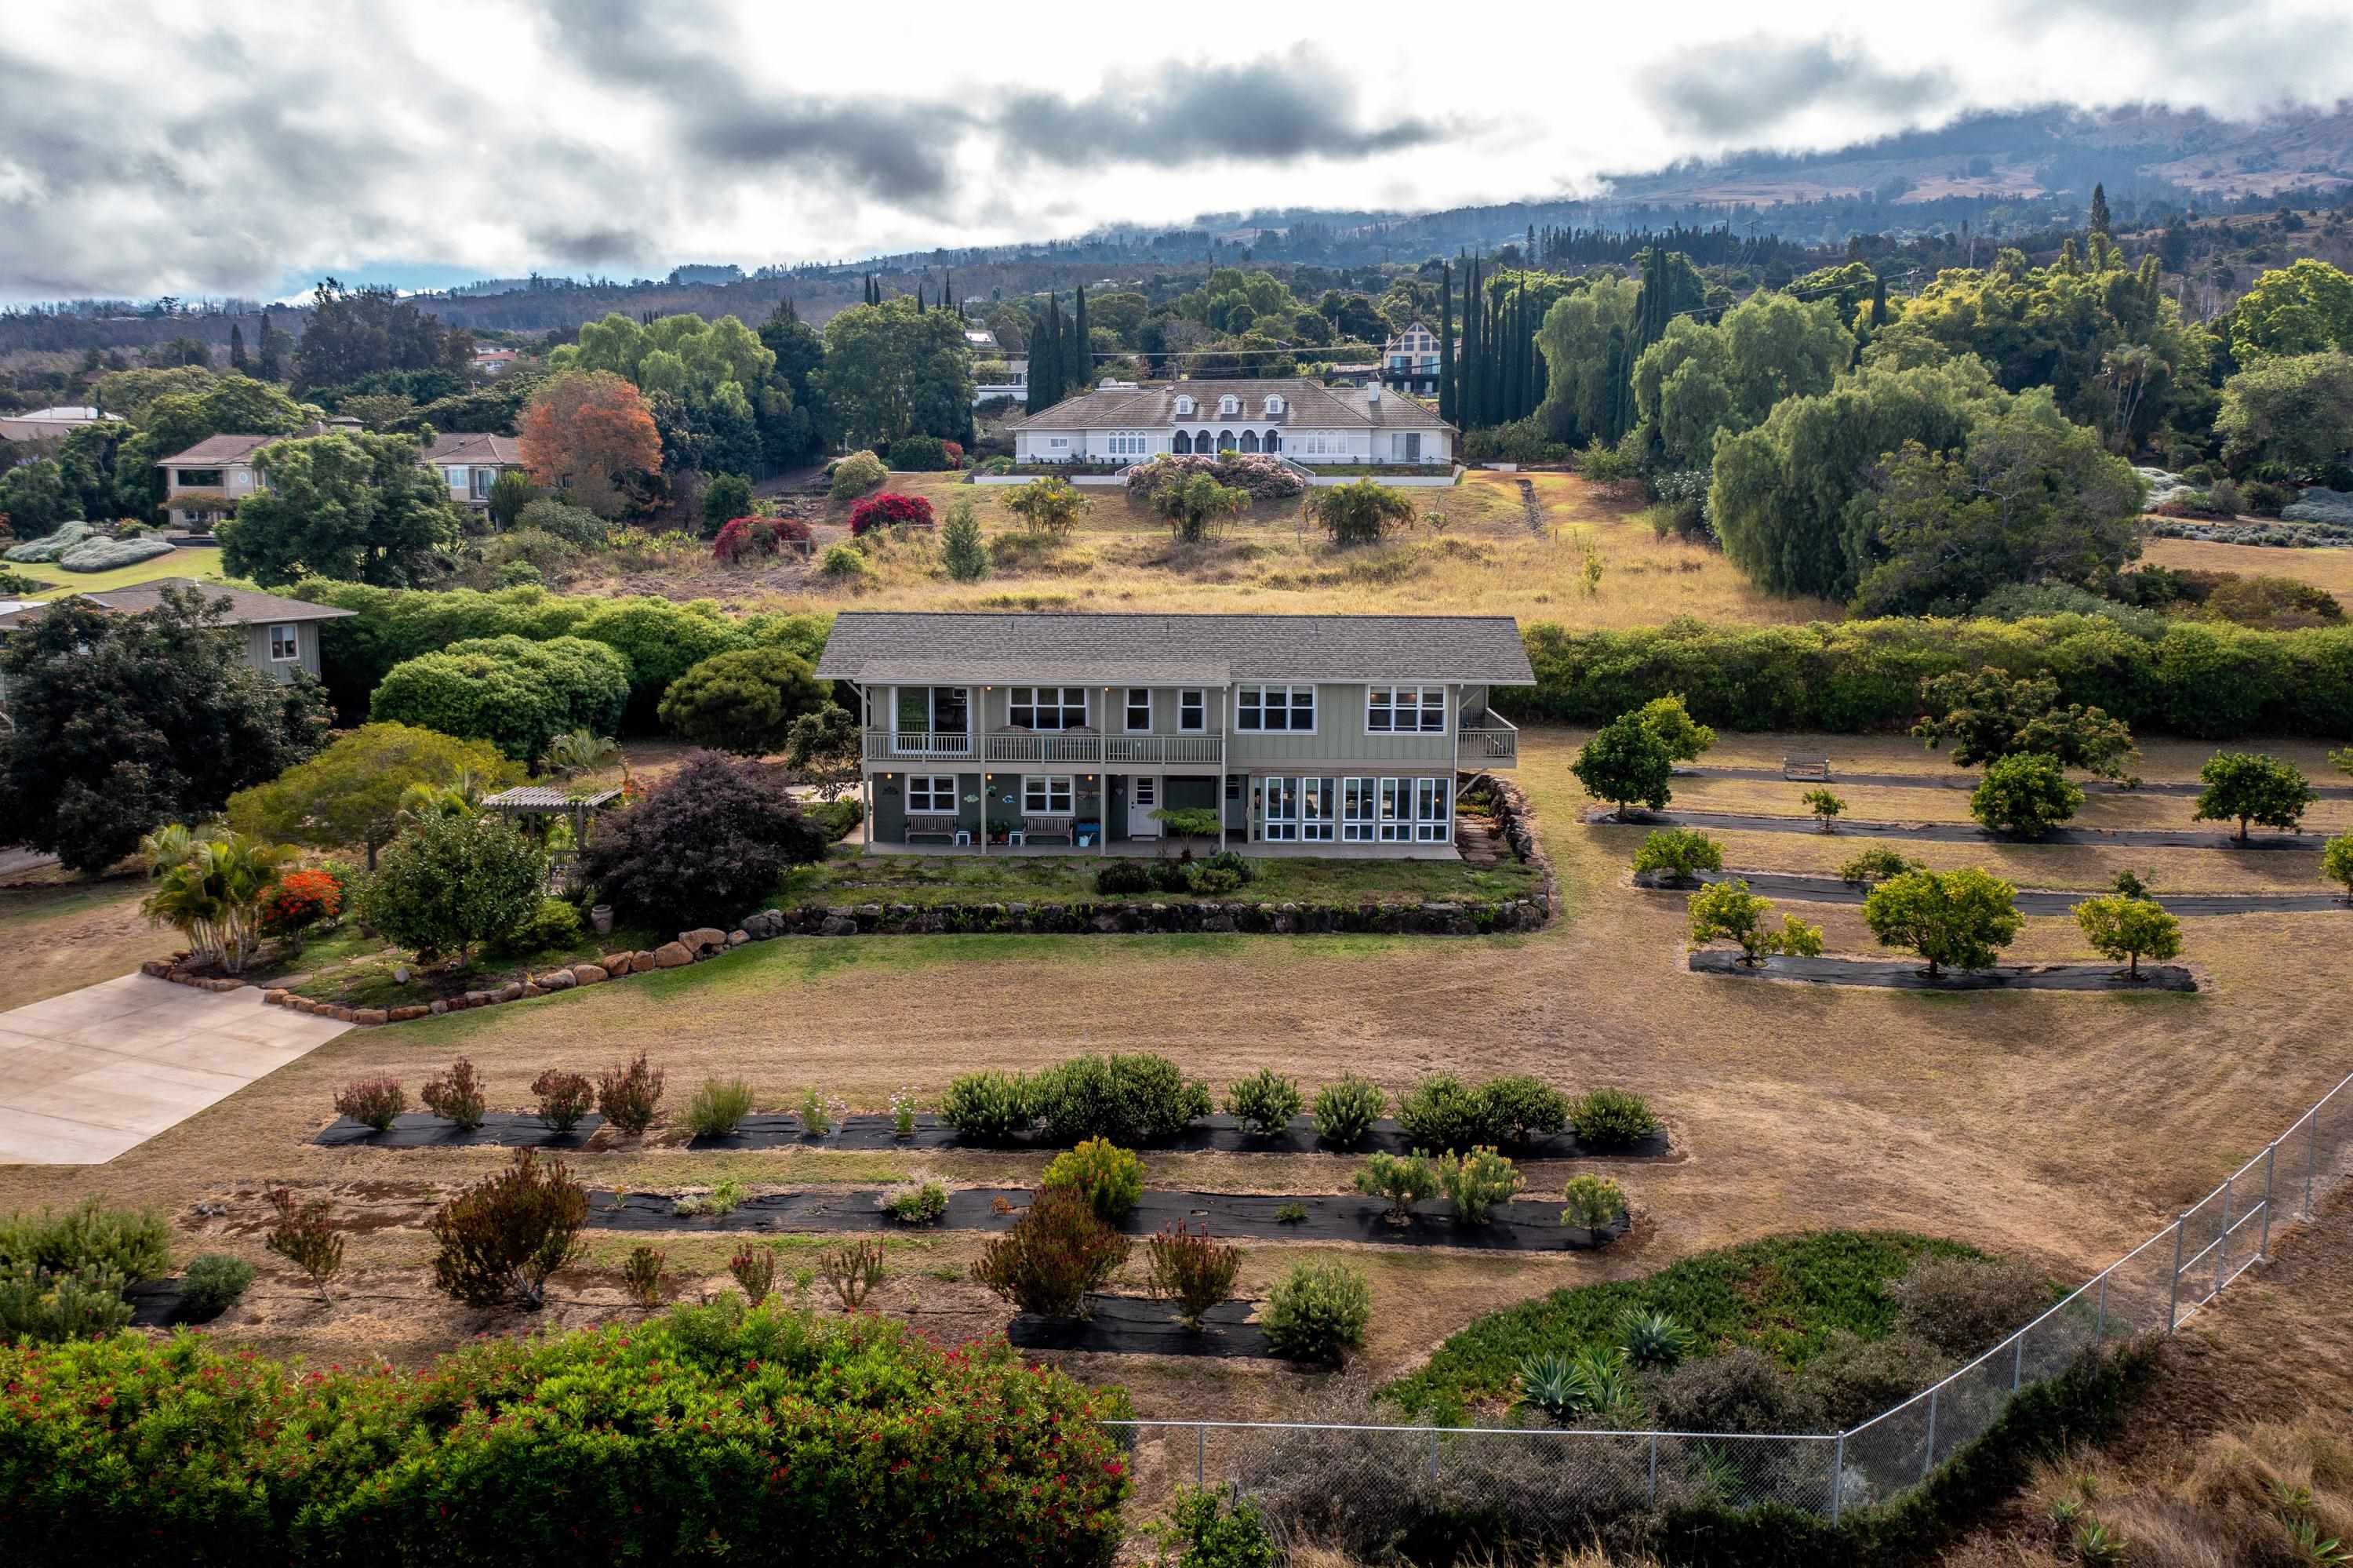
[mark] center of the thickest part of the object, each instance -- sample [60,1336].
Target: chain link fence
[1384,1490]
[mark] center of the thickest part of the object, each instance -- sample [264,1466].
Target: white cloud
[150,148]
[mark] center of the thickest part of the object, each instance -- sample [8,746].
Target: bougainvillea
[889,508]
[1265,478]
[756,538]
[713,1430]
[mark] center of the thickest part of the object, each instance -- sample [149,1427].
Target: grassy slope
[201,562]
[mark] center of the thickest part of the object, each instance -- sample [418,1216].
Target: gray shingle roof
[1305,403]
[214,450]
[246,608]
[1205,649]
[466,447]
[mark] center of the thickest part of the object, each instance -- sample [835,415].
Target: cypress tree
[1446,408]
[1467,402]
[947,290]
[2099,223]
[1511,357]
[919,297]
[236,346]
[1081,360]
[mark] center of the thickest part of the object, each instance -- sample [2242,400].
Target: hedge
[712,1432]
[2206,680]
[514,693]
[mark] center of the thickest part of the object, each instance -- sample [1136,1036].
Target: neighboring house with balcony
[1300,419]
[281,635]
[1345,735]
[1410,361]
[208,481]
[470,465]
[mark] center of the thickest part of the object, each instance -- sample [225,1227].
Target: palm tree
[461,797]
[210,890]
[583,751]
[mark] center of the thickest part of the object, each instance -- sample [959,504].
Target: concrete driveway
[85,1075]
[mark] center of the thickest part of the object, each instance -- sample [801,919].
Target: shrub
[1517,1106]
[962,553]
[915,1202]
[135,1243]
[1119,876]
[50,546]
[564,1099]
[40,1306]
[842,562]
[1215,1527]
[1443,1112]
[718,1106]
[782,1426]
[213,1283]
[819,1114]
[1233,863]
[107,555]
[1826,807]
[452,881]
[1728,911]
[1403,1180]
[1654,1340]
[743,539]
[1964,1304]
[305,1236]
[1318,1313]
[2336,863]
[1129,1099]
[516,693]
[856,474]
[500,1239]
[2024,793]
[1593,1201]
[1877,866]
[1108,1177]
[918,454]
[1258,476]
[1345,1111]
[987,1107]
[1055,1254]
[372,1102]
[1668,719]
[754,1268]
[1210,882]
[626,1096]
[1197,507]
[903,1114]
[1957,917]
[1854,1379]
[1050,506]
[641,1276]
[1738,1391]
[1476,1183]
[851,1271]
[1612,1119]
[457,1096]
[575,525]
[1626,764]
[1187,1268]
[297,901]
[1264,1102]
[1361,512]
[1678,851]
[889,510]
[1595,1382]
[723,1198]
[709,842]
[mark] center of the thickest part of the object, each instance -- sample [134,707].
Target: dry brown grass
[2061,1128]
[2329,569]
[1484,559]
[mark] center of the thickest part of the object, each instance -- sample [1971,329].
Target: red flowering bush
[889,508]
[953,452]
[756,538]
[300,900]
[761,1429]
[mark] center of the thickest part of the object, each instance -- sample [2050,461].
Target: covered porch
[1239,843]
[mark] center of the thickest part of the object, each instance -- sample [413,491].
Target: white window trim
[931,783]
[1445,707]
[1086,706]
[1069,789]
[1200,696]
[1127,711]
[1316,707]
[293,640]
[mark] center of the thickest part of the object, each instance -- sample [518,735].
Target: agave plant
[1594,1381]
[583,751]
[210,890]
[1653,1342]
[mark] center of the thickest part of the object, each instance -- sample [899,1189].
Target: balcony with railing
[1076,748]
[1487,739]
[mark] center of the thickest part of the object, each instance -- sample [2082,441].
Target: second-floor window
[1139,708]
[197,478]
[1193,711]
[1047,707]
[1405,710]
[285,648]
[1275,707]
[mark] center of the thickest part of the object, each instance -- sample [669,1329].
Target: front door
[1413,446]
[1142,799]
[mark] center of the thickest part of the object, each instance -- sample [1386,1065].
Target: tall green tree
[892,370]
[1447,402]
[1583,340]
[2305,307]
[1079,362]
[1704,380]
[2295,409]
[352,792]
[1469,403]
[235,347]
[357,507]
[2098,222]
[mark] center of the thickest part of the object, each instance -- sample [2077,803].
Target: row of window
[1354,810]
[1043,794]
[1389,710]
[1230,405]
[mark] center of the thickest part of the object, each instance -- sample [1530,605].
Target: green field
[201,562]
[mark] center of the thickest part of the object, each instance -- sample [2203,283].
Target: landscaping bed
[1904,974]
[926,881]
[1132,1325]
[1806,888]
[1517,1226]
[779,1129]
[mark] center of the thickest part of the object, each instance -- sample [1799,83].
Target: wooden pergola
[551,800]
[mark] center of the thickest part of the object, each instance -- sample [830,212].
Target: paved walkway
[85,1075]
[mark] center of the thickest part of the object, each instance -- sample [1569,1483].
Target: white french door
[1356,810]
[1279,821]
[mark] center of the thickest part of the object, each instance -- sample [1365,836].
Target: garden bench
[943,826]
[1811,765]
[1063,828]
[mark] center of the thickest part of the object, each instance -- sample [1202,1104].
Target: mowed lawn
[200,562]
[2058,1127]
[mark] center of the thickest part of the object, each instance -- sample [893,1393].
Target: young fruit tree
[1679,852]
[2336,863]
[2129,928]
[1957,918]
[1727,911]
[1826,807]
[1988,715]
[2025,794]
[1625,763]
[2251,789]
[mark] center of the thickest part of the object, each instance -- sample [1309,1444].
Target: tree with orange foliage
[583,432]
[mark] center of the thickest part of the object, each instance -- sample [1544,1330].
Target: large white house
[1302,420]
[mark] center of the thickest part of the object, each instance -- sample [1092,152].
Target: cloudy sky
[204,149]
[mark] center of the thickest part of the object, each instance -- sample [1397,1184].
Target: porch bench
[1063,828]
[942,826]
[1807,766]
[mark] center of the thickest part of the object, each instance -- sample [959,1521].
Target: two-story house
[470,465]
[279,635]
[1409,360]
[1306,733]
[1303,420]
[210,479]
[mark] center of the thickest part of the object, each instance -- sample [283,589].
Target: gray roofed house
[471,464]
[1302,421]
[281,635]
[1297,730]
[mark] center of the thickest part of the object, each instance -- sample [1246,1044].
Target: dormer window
[1228,405]
[1275,405]
[1184,404]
